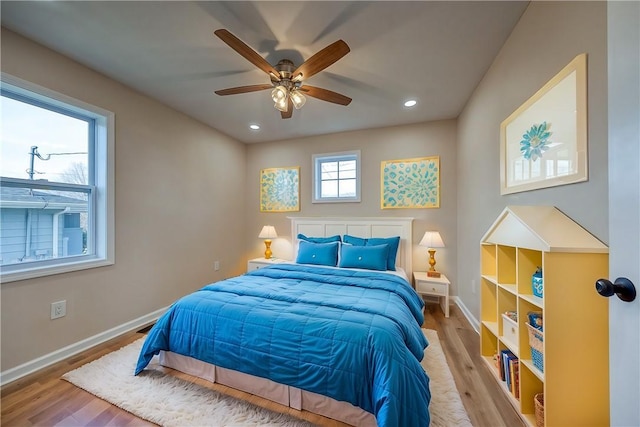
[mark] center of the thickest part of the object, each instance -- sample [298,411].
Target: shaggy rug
[169,401]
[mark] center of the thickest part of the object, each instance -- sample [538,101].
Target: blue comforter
[351,335]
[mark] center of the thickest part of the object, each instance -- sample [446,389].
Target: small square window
[336,177]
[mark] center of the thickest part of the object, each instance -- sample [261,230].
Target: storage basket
[538,401]
[509,330]
[536,343]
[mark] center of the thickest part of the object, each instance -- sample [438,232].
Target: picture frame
[544,142]
[410,183]
[280,189]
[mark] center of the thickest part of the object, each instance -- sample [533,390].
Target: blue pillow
[335,238]
[352,240]
[393,242]
[317,253]
[372,257]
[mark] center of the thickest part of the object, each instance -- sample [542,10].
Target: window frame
[317,160]
[101,186]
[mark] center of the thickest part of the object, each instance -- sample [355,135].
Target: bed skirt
[285,395]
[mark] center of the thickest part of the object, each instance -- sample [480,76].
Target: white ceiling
[435,52]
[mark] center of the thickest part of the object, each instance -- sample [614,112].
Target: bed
[341,340]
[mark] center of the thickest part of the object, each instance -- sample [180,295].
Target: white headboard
[360,227]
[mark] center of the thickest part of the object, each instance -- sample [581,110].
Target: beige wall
[548,36]
[175,204]
[376,145]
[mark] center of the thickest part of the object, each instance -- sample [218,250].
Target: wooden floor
[44,399]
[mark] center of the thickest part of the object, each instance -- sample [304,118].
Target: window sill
[335,201]
[15,275]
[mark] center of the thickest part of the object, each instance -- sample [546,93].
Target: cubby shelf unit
[575,381]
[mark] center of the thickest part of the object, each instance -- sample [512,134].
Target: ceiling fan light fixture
[279,94]
[297,99]
[286,78]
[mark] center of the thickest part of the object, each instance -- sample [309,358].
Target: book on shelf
[516,379]
[506,356]
[514,375]
[502,358]
[510,358]
[511,376]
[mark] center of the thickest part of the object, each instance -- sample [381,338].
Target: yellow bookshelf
[575,381]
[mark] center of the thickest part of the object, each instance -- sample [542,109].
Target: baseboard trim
[470,317]
[34,365]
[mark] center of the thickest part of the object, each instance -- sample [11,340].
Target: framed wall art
[280,189]
[544,142]
[410,183]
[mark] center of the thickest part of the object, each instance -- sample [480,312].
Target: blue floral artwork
[543,143]
[280,189]
[411,183]
[536,141]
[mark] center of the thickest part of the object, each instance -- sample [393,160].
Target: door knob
[622,287]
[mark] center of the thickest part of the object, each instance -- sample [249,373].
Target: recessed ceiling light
[410,103]
[254,127]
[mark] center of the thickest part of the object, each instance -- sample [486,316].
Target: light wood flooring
[44,399]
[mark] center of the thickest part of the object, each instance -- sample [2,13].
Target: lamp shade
[282,105]
[298,99]
[432,239]
[268,232]
[279,94]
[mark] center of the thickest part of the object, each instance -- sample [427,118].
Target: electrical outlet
[58,309]
[216,265]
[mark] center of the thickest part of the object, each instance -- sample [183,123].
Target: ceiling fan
[287,88]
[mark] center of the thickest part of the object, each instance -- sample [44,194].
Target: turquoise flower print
[535,141]
[412,183]
[279,190]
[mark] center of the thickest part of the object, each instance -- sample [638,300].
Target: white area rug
[446,407]
[170,401]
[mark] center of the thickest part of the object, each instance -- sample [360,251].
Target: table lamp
[268,232]
[431,240]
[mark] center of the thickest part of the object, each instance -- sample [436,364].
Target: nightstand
[257,263]
[433,286]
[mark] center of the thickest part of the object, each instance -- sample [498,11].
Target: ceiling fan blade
[248,53]
[322,59]
[287,114]
[325,95]
[243,89]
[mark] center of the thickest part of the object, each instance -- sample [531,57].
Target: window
[56,182]
[336,177]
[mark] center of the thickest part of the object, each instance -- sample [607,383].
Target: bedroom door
[624,208]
